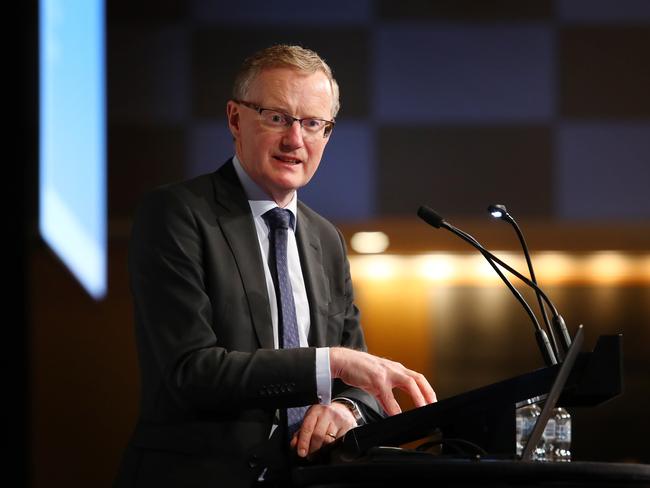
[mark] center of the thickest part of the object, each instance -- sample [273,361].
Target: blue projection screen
[72,160]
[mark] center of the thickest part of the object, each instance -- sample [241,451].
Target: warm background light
[551,268]
[369,242]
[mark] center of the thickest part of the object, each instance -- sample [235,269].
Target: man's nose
[293,135]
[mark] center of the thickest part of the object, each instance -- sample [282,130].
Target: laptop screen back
[553,395]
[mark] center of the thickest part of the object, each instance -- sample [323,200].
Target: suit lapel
[236,222]
[311,262]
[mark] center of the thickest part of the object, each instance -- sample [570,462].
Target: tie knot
[278,218]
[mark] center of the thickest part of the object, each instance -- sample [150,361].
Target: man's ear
[232,114]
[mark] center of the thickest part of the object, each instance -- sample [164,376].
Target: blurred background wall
[541,105]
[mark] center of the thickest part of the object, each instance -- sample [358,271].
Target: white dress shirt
[260,203]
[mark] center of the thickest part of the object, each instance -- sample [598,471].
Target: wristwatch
[352,407]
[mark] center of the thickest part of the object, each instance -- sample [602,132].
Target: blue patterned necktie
[278,220]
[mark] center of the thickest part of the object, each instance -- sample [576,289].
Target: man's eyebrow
[287,112]
[279,109]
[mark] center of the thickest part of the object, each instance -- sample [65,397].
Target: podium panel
[456,473]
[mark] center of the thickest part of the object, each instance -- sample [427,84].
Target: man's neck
[285,200]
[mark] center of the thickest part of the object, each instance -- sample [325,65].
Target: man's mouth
[287,160]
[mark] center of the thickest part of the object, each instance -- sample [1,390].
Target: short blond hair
[283,56]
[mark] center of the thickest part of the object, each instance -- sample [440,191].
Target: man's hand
[322,425]
[379,376]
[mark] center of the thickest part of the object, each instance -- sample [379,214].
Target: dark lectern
[485,418]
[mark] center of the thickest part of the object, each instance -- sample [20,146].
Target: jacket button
[253,461]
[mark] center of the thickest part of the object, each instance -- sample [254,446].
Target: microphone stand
[500,212]
[435,220]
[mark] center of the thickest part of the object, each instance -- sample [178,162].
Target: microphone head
[430,217]
[498,211]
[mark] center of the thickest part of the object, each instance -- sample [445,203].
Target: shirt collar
[258,199]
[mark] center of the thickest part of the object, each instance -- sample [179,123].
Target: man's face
[281,161]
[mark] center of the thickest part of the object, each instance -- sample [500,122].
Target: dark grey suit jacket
[210,378]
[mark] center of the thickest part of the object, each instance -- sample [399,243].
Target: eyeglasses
[277,120]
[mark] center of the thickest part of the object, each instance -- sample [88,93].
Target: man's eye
[313,123]
[276,118]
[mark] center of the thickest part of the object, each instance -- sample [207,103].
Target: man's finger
[331,433]
[389,404]
[319,433]
[411,387]
[305,433]
[425,388]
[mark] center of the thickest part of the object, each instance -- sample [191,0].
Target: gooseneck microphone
[435,220]
[500,212]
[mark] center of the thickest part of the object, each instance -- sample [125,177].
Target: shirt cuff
[323,376]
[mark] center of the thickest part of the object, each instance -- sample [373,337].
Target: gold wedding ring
[333,436]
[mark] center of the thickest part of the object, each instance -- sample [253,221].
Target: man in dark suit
[239,326]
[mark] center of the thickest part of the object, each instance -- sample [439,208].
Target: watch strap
[354,409]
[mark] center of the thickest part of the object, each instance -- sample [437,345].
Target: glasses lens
[313,125]
[273,118]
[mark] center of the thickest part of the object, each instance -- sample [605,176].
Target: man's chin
[290,181]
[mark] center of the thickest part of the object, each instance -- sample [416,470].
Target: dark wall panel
[282,12]
[142,157]
[474,10]
[605,72]
[148,73]
[461,170]
[462,73]
[603,171]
